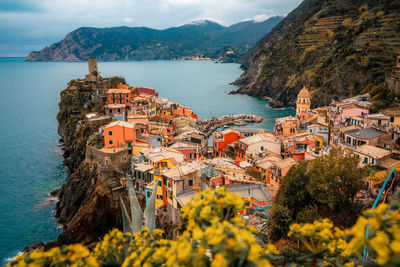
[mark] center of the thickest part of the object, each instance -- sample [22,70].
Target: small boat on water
[240,123]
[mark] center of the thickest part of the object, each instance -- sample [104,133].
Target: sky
[27,25]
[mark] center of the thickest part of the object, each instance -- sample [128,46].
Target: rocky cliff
[139,43]
[87,207]
[337,48]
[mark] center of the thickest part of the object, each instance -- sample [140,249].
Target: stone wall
[115,159]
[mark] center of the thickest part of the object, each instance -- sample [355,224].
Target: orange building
[286,126]
[184,111]
[223,139]
[119,134]
[118,96]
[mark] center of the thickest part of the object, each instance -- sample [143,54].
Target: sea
[31,162]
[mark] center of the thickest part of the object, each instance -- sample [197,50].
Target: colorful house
[222,139]
[371,154]
[394,115]
[118,96]
[119,134]
[286,126]
[279,170]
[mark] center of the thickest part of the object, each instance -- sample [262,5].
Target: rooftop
[223,163]
[255,191]
[120,123]
[116,106]
[373,151]
[117,91]
[258,138]
[161,153]
[392,111]
[284,163]
[367,133]
[143,166]
[304,93]
[182,170]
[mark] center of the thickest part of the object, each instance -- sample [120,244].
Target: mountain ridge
[207,38]
[336,48]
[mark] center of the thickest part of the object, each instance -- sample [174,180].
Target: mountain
[336,48]
[202,37]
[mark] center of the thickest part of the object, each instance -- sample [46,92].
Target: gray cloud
[27,25]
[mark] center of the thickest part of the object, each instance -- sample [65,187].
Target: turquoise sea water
[30,161]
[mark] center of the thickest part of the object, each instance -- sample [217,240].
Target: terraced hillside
[337,48]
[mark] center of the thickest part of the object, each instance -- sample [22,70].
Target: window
[365,160]
[110,133]
[148,194]
[190,182]
[262,148]
[391,119]
[110,142]
[373,161]
[159,183]
[160,197]
[193,155]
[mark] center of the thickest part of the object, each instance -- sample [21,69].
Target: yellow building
[303,102]
[394,114]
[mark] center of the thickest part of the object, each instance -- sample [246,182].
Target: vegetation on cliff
[337,48]
[139,43]
[214,235]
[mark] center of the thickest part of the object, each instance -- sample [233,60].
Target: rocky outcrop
[337,48]
[87,207]
[139,43]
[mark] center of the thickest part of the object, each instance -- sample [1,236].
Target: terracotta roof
[304,93]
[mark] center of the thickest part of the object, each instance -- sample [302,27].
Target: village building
[286,126]
[181,180]
[253,145]
[373,155]
[303,103]
[145,91]
[279,170]
[349,110]
[117,111]
[380,121]
[394,115]
[222,139]
[246,132]
[118,96]
[355,138]
[119,134]
[192,151]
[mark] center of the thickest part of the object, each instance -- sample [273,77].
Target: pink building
[351,111]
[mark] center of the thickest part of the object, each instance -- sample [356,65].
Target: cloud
[128,20]
[260,18]
[32,23]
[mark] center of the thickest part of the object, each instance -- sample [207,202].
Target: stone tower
[303,102]
[93,71]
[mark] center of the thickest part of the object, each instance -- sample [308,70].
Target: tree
[325,187]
